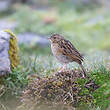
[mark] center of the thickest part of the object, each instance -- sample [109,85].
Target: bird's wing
[68,49]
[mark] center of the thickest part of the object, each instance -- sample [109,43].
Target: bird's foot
[64,68]
[84,75]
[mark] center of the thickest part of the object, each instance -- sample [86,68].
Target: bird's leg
[63,68]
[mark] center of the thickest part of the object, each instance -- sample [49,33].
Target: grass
[46,64]
[18,80]
[101,96]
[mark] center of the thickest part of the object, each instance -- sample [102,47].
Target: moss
[13,49]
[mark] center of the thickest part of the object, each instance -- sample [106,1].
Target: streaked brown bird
[65,52]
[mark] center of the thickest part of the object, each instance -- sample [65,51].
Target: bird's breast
[55,49]
[59,55]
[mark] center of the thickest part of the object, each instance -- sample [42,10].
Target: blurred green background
[86,23]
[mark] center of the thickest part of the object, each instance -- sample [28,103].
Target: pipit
[65,52]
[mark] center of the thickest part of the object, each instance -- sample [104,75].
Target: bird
[65,52]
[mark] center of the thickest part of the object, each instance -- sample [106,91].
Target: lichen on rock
[8,52]
[13,49]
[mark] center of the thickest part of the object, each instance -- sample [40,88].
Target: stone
[4,5]
[7,24]
[32,39]
[8,52]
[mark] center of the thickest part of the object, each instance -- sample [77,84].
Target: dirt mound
[66,88]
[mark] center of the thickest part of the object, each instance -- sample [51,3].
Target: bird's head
[55,38]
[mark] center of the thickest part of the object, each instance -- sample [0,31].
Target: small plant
[16,81]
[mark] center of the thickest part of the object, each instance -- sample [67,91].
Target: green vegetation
[19,78]
[101,96]
[45,65]
[86,30]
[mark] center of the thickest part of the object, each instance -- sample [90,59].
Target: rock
[32,39]
[6,24]
[8,52]
[4,5]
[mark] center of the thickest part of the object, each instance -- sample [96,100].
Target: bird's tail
[83,69]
